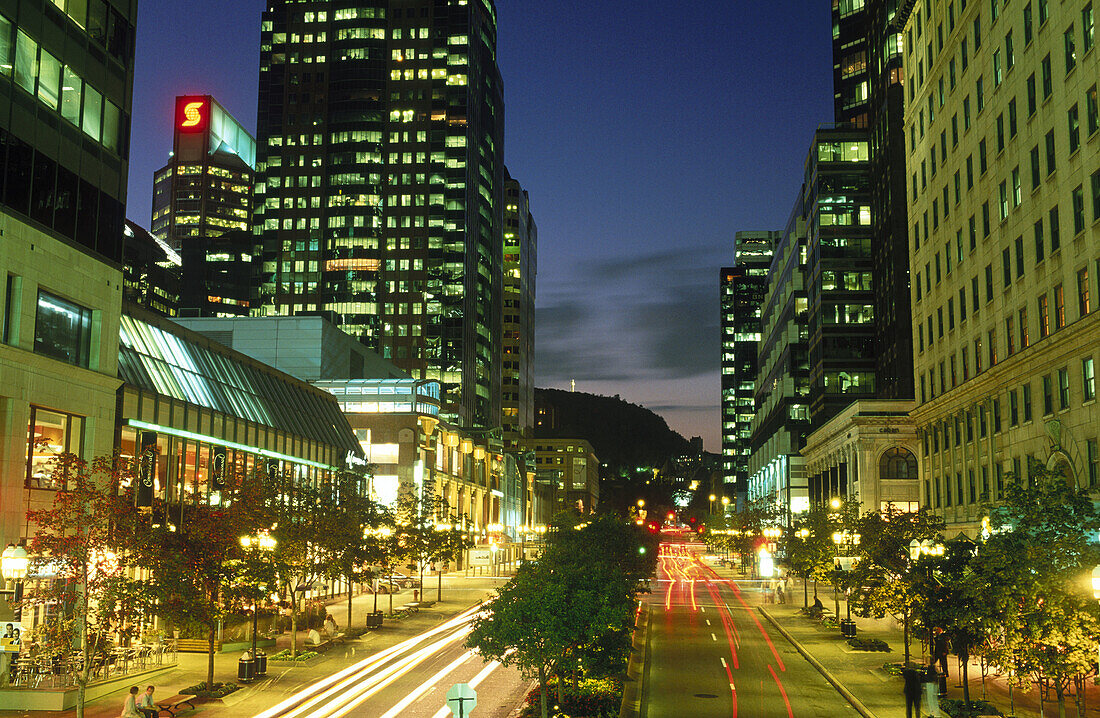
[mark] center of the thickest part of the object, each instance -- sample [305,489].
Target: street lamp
[261,542]
[712,500]
[725,504]
[14,563]
[849,540]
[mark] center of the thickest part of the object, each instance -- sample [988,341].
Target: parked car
[400,579]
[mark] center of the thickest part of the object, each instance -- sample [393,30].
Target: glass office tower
[520,261]
[742,290]
[380,193]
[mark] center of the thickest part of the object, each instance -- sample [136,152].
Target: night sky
[646,134]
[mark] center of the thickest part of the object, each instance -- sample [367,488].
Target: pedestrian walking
[146,705]
[129,706]
[773,587]
[912,692]
[941,647]
[931,682]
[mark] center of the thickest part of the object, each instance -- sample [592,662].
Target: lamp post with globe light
[262,542]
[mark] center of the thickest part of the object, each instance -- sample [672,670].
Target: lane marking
[740,598]
[727,626]
[708,621]
[713,637]
[724,664]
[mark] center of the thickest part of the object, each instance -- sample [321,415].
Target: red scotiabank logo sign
[192,114]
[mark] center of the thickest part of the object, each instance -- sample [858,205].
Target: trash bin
[261,663]
[374,619]
[847,628]
[246,668]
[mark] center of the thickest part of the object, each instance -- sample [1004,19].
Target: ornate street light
[261,542]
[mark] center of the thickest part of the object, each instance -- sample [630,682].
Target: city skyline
[610,238]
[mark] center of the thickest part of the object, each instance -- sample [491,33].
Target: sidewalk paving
[861,674]
[283,679]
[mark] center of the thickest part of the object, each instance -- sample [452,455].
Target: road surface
[410,680]
[711,653]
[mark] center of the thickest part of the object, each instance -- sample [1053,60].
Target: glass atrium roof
[169,360]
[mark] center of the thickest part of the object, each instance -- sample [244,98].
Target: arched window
[898,463]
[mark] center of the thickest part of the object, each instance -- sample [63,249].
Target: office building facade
[202,208]
[380,195]
[836,202]
[782,388]
[869,94]
[518,345]
[742,288]
[66,73]
[151,271]
[1003,139]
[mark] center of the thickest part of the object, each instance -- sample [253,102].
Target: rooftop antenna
[572,385]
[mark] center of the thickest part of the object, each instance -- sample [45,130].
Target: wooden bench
[406,610]
[175,705]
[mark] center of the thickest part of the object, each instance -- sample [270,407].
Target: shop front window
[50,435]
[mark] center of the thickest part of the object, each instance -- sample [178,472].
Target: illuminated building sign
[192,114]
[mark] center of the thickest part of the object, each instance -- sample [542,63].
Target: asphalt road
[710,653]
[410,680]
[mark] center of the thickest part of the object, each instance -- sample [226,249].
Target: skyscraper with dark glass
[742,289]
[520,263]
[380,187]
[66,80]
[869,93]
[202,208]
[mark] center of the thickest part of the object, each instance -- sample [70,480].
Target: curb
[635,668]
[856,703]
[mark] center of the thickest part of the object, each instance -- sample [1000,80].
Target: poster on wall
[11,641]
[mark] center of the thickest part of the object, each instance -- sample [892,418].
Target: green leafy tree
[809,548]
[77,540]
[1033,571]
[192,550]
[561,614]
[448,543]
[884,579]
[300,558]
[955,601]
[348,543]
[527,625]
[748,526]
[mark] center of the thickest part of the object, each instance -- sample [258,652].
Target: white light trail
[337,682]
[426,685]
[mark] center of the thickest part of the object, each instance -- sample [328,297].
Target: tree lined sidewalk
[861,672]
[459,594]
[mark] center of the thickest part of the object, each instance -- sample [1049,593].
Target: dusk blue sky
[646,134]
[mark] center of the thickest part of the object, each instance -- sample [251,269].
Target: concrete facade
[1003,140]
[29,263]
[867,454]
[571,466]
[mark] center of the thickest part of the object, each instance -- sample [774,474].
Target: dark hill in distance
[624,435]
